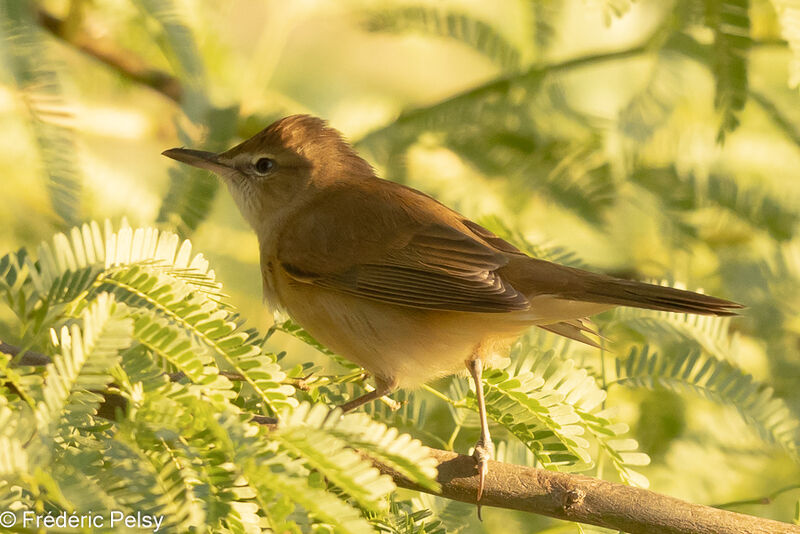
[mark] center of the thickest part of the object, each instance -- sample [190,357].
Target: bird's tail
[534,277]
[620,292]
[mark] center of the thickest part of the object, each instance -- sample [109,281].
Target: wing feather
[387,255]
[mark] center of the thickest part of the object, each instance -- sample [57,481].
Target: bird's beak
[197,158]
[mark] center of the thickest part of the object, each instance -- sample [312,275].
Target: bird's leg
[484,448]
[382,387]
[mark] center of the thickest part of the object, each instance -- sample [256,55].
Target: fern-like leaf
[573,175]
[730,21]
[405,455]
[651,107]
[211,325]
[538,417]
[13,458]
[709,333]
[461,27]
[191,191]
[282,481]
[581,391]
[716,380]
[178,45]
[173,419]
[38,77]
[303,434]
[789,17]
[87,353]
[555,254]
[751,204]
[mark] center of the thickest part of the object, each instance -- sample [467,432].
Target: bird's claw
[484,451]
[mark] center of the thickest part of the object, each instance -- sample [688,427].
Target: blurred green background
[652,140]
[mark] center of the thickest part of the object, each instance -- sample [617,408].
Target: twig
[107,53]
[777,116]
[133,67]
[504,83]
[233,377]
[35,359]
[766,499]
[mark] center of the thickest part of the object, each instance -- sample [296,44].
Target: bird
[393,280]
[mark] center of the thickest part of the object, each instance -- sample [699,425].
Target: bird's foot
[484,451]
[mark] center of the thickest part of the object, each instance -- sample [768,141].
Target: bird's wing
[395,245]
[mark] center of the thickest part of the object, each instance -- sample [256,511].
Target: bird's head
[280,166]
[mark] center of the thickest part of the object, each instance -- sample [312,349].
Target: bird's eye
[264,165]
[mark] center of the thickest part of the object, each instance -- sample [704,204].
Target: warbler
[393,280]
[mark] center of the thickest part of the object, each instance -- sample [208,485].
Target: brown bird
[391,279]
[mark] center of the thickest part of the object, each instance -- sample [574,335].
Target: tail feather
[575,329]
[534,278]
[655,297]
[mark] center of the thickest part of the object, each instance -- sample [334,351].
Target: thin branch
[560,495]
[766,499]
[504,83]
[134,69]
[107,53]
[777,116]
[35,359]
[585,499]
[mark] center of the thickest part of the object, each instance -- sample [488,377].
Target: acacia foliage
[132,315]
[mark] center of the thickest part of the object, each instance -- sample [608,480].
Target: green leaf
[789,17]
[278,478]
[440,22]
[408,517]
[13,458]
[752,204]
[716,380]
[87,353]
[304,433]
[556,254]
[454,515]
[178,45]
[730,22]
[38,77]
[537,416]
[706,332]
[651,108]
[497,102]
[582,393]
[211,325]
[42,291]
[402,453]
[171,424]
[191,191]
[174,345]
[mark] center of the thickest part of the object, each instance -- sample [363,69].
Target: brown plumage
[390,278]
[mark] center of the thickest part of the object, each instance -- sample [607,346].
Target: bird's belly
[399,344]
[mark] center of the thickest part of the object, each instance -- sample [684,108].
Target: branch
[34,359]
[585,500]
[134,69]
[777,116]
[560,495]
[107,53]
[503,83]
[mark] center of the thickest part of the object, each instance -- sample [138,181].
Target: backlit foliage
[654,140]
